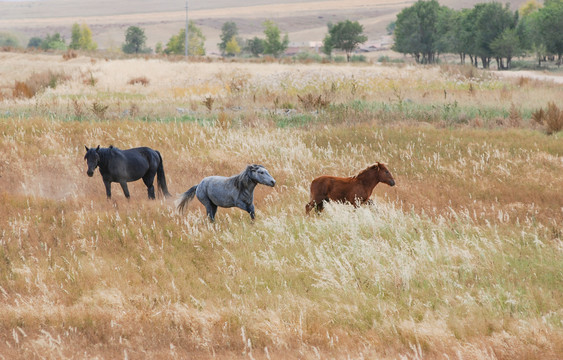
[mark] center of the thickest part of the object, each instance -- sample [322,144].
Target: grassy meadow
[462,259]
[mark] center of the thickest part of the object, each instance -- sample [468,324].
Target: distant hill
[303,20]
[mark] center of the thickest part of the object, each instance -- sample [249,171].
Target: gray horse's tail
[161,178]
[185,199]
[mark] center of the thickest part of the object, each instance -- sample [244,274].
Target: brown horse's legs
[318,206]
[308,207]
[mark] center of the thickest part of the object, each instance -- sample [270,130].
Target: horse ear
[98,148]
[86,147]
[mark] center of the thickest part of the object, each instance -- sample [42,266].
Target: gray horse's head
[92,158]
[259,174]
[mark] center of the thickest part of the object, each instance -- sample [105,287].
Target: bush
[21,90]
[339,59]
[36,83]
[307,57]
[139,80]
[552,118]
[70,54]
[8,40]
[312,102]
[387,59]
[358,58]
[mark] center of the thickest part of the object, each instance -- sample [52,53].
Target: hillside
[302,20]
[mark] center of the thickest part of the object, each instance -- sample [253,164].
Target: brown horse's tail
[161,178]
[185,199]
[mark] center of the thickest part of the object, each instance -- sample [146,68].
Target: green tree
[447,25]
[529,32]
[75,35]
[255,46]
[7,39]
[81,38]
[228,32]
[551,26]
[416,31]
[346,36]
[232,47]
[53,42]
[327,44]
[35,42]
[135,40]
[273,44]
[158,48]
[507,45]
[196,42]
[462,39]
[86,41]
[529,7]
[390,28]
[491,20]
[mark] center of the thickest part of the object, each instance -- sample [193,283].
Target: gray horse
[237,191]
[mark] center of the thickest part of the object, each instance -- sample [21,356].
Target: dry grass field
[462,259]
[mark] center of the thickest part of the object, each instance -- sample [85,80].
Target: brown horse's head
[383,174]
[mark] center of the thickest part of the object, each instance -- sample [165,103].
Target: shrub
[70,54]
[139,80]
[307,57]
[36,83]
[77,107]
[387,59]
[514,116]
[339,59]
[90,80]
[552,118]
[21,90]
[358,58]
[208,102]
[223,120]
[99,110]
[311,102]
[8,40]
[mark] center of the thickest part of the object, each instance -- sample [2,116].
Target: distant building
[295,47]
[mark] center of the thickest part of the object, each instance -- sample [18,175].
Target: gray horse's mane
[241,179]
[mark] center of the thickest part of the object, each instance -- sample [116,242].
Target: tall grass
[462,259]
[441,265]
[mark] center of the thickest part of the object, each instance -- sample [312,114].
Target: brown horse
[355,190]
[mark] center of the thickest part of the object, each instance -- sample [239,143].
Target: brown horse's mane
[365,170]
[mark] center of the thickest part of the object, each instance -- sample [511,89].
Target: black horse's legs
[125,189]
[210,207]
[149,180]
[250,210]
[108,188]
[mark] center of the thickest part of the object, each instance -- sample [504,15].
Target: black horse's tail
[161,178]
[185,199]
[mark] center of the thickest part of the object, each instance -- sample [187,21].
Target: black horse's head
[92,158]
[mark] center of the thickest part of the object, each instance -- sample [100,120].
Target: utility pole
[186,40]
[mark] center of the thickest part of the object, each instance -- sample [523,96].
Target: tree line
[488,31]
[345,35]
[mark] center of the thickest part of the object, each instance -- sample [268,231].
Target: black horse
[123,166]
